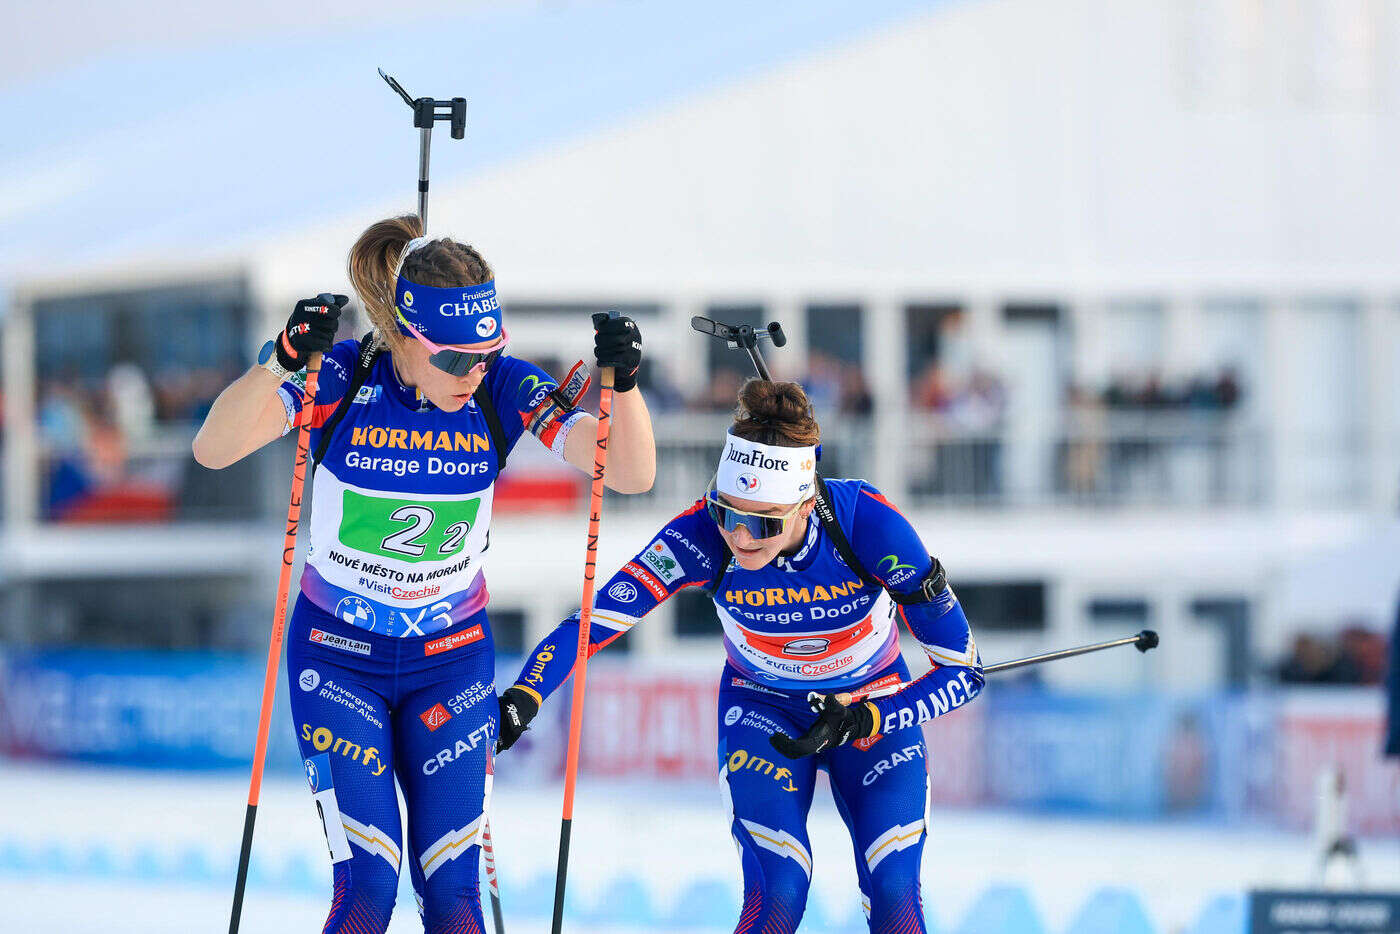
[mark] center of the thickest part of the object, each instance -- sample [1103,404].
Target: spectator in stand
[928,391]
[1084,452]
[1365,651]
[131,401]
[661,394]
[1130,392]
[720,393]
[1227,388]
[971,403]
[1314,660]
[836,386]
[855,394]
[823,383]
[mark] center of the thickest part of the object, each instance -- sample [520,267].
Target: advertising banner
[1236,758]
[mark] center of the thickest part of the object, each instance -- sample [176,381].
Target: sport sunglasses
[457,361]
[758,524]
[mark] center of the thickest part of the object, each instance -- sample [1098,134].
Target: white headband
[766,472]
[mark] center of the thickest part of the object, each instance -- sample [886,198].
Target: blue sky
[219,137]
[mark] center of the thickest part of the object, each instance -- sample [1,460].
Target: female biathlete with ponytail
[389,650]
[807,579]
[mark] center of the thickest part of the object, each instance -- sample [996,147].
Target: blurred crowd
[104,438]
[835,386]
[952,383]
[1147,391]
[95,436]
[1355,655]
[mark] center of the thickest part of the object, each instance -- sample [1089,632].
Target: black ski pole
[743,337]
[426,112]
[1143,641]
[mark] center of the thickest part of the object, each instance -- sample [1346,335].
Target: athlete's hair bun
[775,413]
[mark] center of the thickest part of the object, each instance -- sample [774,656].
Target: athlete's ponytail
[374,260]
[775,413]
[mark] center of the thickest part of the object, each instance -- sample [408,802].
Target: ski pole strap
[364,365]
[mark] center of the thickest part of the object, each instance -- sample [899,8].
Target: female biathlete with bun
[808,578]
[389,650]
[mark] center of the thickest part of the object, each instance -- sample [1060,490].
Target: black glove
[617,343]
[836,725]
[310,329]
[518,708]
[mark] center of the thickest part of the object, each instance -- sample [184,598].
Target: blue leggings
[881,793]
[369,707]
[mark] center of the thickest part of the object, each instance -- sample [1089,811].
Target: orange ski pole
[279,629]
[595,513]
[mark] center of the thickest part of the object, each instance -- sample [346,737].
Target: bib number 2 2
[422,532]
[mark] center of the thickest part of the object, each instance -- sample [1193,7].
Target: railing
[688,446]
[1154,459]
[1150,459]
[1091,459]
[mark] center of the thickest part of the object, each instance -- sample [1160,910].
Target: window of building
[554,335]
[695,614]
[1003,606]
[727,368]
[834,380]
[148,356]
[1228,343]
[930,329]
[1128,614]
[508,630]
[1324,399]
[187,612]
[1135,332]
[1230,616]
[124,378]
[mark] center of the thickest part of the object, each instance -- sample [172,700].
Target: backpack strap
[930,587]
[725,557]
[482,397]
[826,515]
[364,365]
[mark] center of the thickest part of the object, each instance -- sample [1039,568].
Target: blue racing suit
[806,622]
[389,649]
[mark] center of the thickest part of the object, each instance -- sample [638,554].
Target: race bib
[406,530]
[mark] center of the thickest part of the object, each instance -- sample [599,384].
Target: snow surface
[86,848]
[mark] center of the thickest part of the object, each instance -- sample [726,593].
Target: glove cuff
[869,721]
[284,354]
[527,700]
[624,382]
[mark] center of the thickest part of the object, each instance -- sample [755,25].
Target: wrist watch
[267,359]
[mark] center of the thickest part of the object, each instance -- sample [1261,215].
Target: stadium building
[1124,351]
